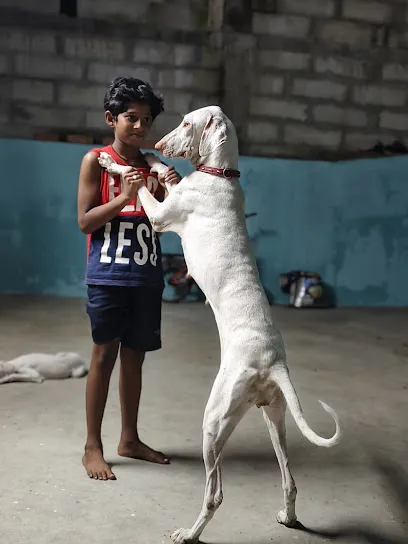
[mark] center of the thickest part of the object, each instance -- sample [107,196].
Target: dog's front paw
[151,158]
[110,165]
[284,519]
[155,164]
[105,160]
[183,536]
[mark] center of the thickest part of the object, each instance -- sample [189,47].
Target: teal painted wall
[347,221]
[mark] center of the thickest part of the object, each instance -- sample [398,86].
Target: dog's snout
[159,145]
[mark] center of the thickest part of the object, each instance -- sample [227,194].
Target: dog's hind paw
[283,519]
[182,536]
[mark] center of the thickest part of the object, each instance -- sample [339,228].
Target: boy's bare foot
[138,450]
[96,466]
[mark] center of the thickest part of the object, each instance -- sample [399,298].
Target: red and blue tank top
[126,251]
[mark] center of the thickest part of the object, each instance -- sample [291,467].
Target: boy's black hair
[124,91]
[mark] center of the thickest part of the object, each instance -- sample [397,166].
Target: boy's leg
[130,386]
[97,386]
[107,313]
[141,336]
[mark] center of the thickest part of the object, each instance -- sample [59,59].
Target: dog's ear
[214,135]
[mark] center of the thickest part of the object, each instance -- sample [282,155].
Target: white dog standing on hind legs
[207,210]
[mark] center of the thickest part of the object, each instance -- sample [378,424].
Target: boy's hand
[132,181]
[171,176]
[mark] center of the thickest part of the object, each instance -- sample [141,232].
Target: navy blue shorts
[131,315]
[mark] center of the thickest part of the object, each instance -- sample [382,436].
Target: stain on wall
[348,221]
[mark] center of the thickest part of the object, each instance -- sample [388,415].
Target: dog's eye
[186,124]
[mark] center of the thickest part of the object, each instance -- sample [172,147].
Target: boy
[124,273]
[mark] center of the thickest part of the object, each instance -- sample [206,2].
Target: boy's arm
[91,214]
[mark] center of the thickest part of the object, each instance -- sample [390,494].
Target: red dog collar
[227,173]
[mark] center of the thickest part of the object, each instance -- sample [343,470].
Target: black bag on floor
[306,289]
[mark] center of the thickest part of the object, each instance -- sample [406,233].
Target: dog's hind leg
[274,416]
[225,408]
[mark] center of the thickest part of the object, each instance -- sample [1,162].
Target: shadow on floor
[395,485]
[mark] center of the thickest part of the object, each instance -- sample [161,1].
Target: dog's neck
[225,156]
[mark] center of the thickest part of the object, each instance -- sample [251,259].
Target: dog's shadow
[363,533]
[395,484]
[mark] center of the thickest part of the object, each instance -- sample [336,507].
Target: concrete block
[96,120]
[281,25]
[340,66]
[283,109]
[325,113]
[377,95]
[30,90]
[4,120]
[345,33]
[175,14]
[4,64]
[10,128]
[270,84]
[363,141]
[305,135]
[119,10]
[210,58]
[44,6]
[395,72]
[180,15]
[151,52]
[319,89]
[264,6]
[94,48]
[105,73]
[39,116]
[165,123]
[14,39]
[398,39]
[367,10]
[321,8]
[81,96]
[205,100]
[394,121]
[186,55]
[284,60]
[178,102]
[48,67]
[262,132]
[202,80]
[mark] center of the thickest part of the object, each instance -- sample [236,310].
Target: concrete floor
[356,360]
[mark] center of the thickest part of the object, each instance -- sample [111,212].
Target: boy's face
[132,126]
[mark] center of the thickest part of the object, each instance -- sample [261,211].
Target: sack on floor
[306,289]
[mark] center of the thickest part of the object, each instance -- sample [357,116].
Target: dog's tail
[282,378]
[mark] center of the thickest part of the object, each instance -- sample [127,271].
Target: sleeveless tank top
[126,251]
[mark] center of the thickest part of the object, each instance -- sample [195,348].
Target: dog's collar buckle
[227,173]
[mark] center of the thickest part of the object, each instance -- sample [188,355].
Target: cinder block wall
[328,75]
[303,78]
[55,69]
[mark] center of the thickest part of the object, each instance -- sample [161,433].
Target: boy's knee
[104,357]
[130,357]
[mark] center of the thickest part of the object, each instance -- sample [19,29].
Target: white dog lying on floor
[207,210]
[37,367]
